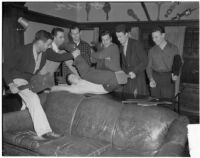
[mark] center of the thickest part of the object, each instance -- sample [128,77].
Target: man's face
[59,38]
[122,37]
[158,37]
[106,40]
[75,33]
[73,79]
[44,45]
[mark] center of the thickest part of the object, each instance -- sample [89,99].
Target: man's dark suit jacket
[135,61]
[176,66]
[21,64]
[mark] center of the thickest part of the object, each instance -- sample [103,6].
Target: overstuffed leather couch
[97,126]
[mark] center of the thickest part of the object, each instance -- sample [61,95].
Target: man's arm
[149,71]
[69,64]
[141,54]
[9,65]
[106,52]
[53,56]
[149,66]
[81,64]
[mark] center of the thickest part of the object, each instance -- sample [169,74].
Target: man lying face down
[79,86]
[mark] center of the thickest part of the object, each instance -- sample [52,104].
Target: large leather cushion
[142,128]
[96,117]
[17,121]
[64,146]
[73,146]
[60,109]
[24,139]
[113,152]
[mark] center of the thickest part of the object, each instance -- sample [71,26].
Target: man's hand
[152,83]
[76,53]
[174,77]
[132,75]
[13,88]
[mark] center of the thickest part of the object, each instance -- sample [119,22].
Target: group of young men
[119,69]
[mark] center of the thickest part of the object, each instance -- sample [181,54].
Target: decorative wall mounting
[187,12]
[106,8]
[77,6]
[159,4]
[87,9]
[171,8]
[131,13]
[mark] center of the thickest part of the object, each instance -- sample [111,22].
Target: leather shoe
[51,135]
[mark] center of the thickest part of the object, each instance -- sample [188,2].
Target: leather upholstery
[97,126]
[142,128]
[96,118]
[60,112]
[64,146]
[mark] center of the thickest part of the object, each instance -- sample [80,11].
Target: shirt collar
[76,43]
[55,47]
[35,53]
[125,45]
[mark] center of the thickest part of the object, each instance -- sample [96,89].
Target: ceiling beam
[143,24]
[146,11]
[47,19]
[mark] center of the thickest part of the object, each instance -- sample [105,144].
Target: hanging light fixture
[23,22]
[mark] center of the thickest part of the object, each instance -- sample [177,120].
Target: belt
[166,72]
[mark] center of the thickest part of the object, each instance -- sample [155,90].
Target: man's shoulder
[113,46]
[50,50]
[153,49]
[84,43]
[135,43]
[171,45]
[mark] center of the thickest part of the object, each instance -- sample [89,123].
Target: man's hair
[56,30]
[158,28]
[42,35]
[74,27]
[106,32]
[121,28]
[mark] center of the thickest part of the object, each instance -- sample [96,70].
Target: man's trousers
[32,102]
[164,85]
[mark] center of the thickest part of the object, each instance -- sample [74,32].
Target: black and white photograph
[100,78]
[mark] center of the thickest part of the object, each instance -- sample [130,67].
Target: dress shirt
[55,47]
[125,47]
[37,57]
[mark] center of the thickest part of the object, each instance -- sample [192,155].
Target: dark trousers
[164,85]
